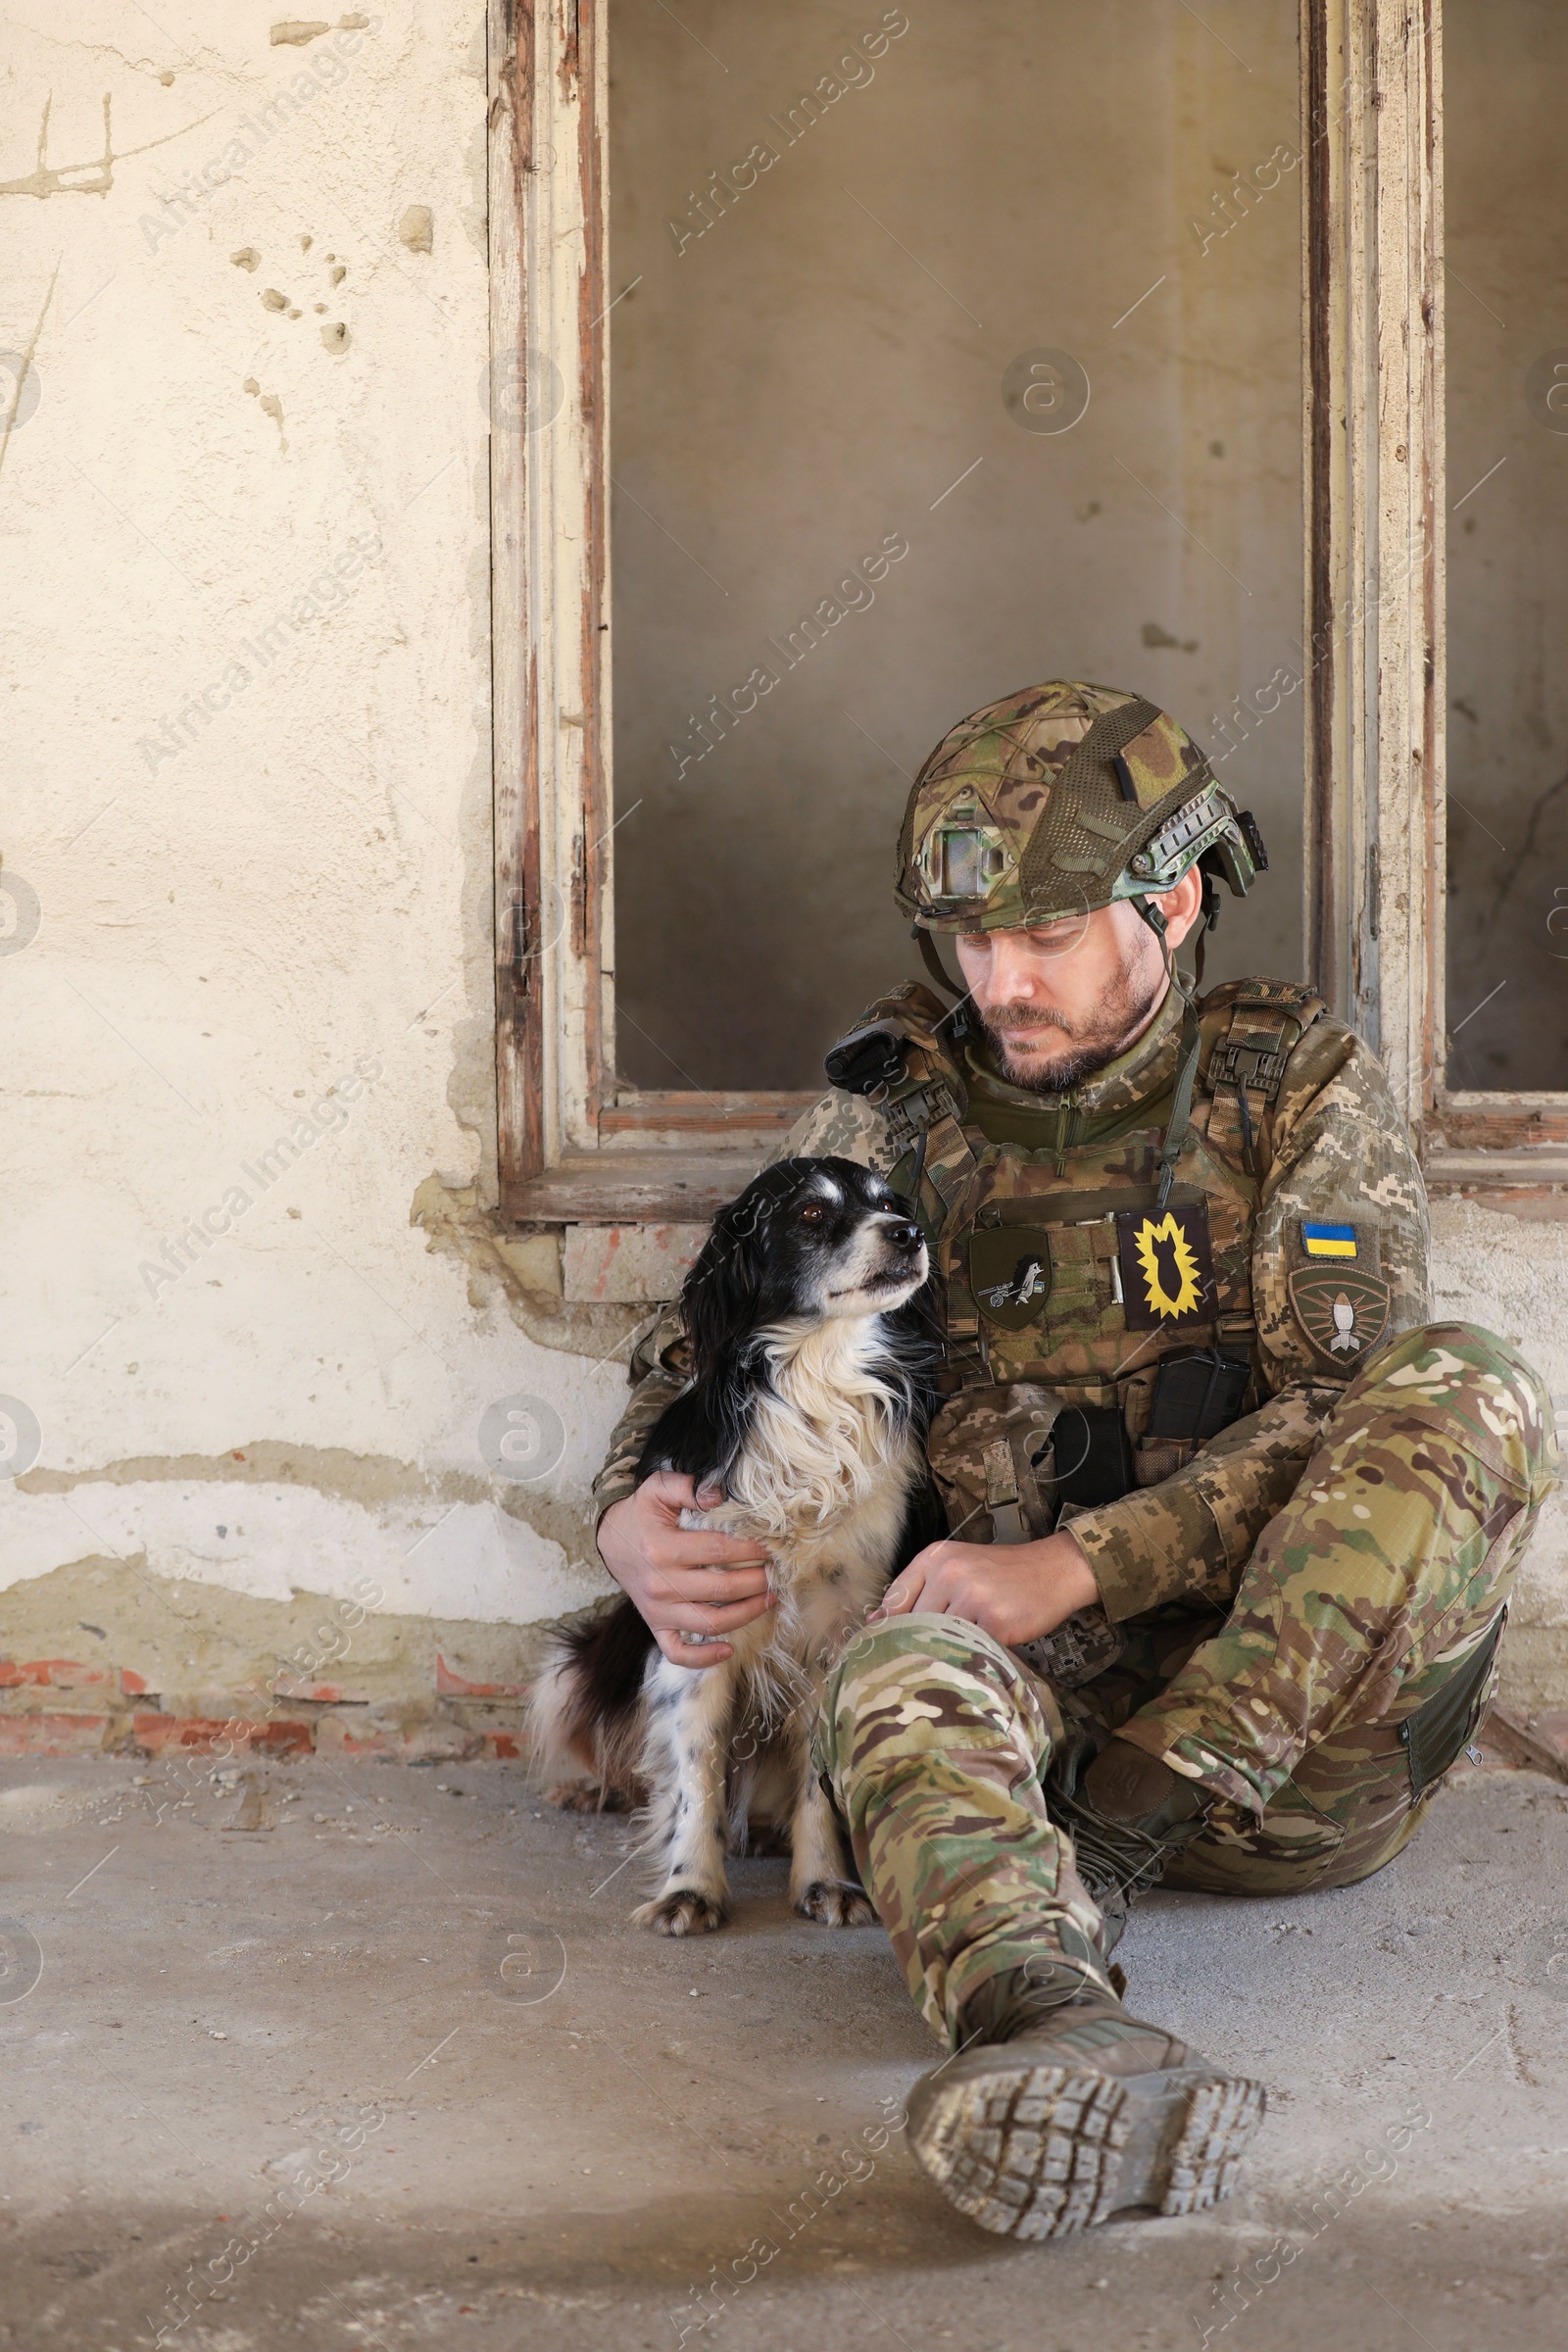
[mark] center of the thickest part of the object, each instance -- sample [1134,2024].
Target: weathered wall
[1510,1273]
[249,766]
[258,1311]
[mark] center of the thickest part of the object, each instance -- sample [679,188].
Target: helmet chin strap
[1181,1103]
[1209,919]
[934,964]
[1155,917]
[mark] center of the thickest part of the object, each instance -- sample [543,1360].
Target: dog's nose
[906,1234]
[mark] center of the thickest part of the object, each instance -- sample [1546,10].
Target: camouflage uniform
[1299,1605]
[1385,1572]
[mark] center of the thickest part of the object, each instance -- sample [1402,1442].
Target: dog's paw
[683,1912]
[588,1796]
[832,1905]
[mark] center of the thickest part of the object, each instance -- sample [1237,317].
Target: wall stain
[371,1481]
[366,1478]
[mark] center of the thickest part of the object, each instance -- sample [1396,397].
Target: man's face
[1059,1000]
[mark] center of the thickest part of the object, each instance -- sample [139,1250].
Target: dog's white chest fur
[823,1483]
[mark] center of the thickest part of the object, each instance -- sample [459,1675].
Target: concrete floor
[391,2069]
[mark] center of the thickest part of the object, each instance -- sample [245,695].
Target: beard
[1077,1049]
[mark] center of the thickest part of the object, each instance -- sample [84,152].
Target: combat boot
[1128,1818]
[1059,2110]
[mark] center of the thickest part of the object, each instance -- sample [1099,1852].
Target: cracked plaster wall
[1510,1274]
[248,900]
[243,510]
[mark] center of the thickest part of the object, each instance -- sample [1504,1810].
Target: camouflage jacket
[1292,1240]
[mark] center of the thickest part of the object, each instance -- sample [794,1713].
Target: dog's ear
[720,1299]
[720,1296]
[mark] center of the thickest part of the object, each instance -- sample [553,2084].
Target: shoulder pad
[865,1059]
[1250,1029]
[1293,998]
[898,1039]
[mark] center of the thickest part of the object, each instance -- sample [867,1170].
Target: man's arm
[681,1579]
[657,1374]
[1342,1155]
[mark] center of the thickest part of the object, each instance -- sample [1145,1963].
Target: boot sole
[1035,2152]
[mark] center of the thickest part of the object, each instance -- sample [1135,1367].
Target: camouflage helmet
[1059,800]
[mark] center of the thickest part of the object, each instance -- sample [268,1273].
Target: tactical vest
[1104,1257]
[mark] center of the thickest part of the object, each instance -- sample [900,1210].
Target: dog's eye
[814,1212]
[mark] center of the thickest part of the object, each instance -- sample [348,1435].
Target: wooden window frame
[574,1146]
[1376,499]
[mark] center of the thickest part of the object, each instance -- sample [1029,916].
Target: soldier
[1232,1525]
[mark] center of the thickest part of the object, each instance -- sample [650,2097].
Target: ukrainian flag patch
[1328,1241]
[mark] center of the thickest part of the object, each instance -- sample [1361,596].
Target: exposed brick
[339,1736]
[54,1674]
[33,1698]
[452,1685]
[322,1694]
[1551,1727]
[629,1264]
[419,1743]
[53,1735]
[245,1702]
[1534,1743]
[203,1733]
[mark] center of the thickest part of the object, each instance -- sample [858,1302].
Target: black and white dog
[806,1410]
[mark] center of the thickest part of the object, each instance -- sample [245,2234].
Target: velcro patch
[1328,1241]
[1010,1273]
[1167,1270]
[1343,1310]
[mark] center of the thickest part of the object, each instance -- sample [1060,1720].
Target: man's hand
[1015,1592]
[682,1580]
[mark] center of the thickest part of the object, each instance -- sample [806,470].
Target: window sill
[1507,1151]
[1530,1180]
[651,1114]
[1499,1123]
[665,1159]
[634,1187]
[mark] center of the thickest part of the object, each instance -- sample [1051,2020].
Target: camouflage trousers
[1374,1586]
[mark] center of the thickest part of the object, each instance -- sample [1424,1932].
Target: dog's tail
[584,1711]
